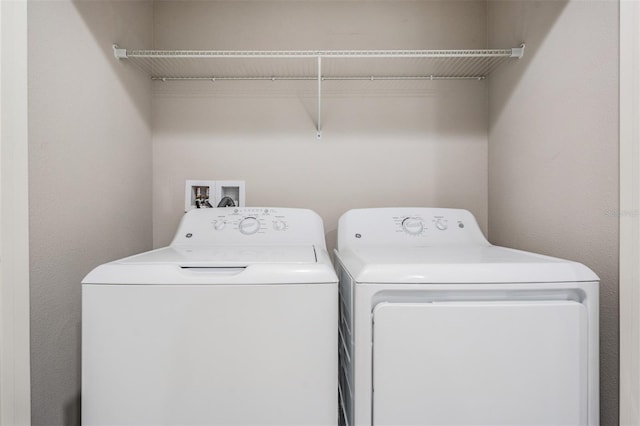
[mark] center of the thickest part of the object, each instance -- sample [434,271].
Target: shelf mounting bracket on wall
[318,129]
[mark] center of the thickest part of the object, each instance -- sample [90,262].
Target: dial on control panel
[249,225]
[441,224]
[412,226]
[279,225]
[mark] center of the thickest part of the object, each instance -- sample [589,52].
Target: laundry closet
[529,144]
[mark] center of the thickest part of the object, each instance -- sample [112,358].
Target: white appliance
[439,327]
[234,323]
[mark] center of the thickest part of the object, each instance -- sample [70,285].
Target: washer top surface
[439,246]
[231,246]
[223,256]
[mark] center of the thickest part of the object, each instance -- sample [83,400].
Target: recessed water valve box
[233,189]
[199,194]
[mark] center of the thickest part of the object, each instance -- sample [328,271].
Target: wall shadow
[511,23]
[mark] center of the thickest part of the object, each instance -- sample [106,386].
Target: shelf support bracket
[518,52]
[318,130]
[119,53]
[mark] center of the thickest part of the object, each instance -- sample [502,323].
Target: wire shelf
[318,66]
[302,65]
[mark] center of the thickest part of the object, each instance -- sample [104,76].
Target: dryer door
[480,363]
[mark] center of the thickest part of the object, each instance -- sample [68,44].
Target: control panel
[235,225]
[409,226]
[251,221]
[419,225]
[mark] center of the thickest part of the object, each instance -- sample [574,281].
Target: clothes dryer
[439,327]
[234,323]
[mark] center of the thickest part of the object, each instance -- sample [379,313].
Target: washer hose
[226,201]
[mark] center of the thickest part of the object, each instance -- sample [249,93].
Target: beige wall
[382,145]
[553,148]
[89,176]
[551,164]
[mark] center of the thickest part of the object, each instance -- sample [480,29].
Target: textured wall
[422,144]
[553,148]
[89,176]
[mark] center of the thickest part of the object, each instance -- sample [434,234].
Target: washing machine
[439,327]
[234,323]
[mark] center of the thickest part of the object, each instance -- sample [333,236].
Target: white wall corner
[629,213]
[15,381]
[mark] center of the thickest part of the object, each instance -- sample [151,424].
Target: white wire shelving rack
[318,66]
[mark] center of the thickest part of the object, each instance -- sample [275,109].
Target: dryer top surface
[461,264]
[437,245]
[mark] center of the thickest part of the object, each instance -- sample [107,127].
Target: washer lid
[460,264]
[223,256]
[219,265]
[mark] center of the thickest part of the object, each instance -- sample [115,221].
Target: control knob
[412,226]
[279,225]
[249,225]
[219,225]
[441,225]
